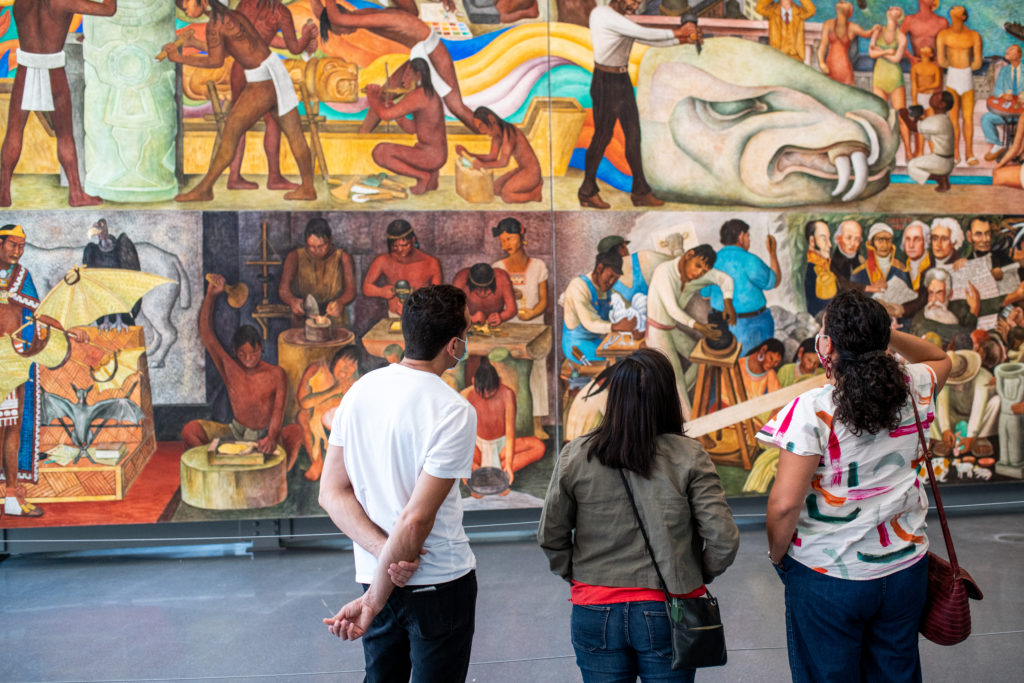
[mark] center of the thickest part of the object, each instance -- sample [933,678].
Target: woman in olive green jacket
[589,532]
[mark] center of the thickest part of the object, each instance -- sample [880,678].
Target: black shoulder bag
[698,639]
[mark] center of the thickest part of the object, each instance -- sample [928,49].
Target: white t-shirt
[527,283]
[394,423]
[864,517]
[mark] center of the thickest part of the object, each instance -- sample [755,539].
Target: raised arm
[286,25]
[917,350]
[856,30]
[206,333]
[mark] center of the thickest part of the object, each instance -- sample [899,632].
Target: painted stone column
[130,111]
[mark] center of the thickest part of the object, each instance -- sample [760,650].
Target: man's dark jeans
[423,630]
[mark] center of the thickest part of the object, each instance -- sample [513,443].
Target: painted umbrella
[87,294]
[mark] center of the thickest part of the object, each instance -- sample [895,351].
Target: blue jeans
[425,631]
[844,630]
[618,642]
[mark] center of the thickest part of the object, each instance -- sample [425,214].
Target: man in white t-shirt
[399,441]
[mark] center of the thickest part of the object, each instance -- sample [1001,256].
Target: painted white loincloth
[422,50]
[960,80]
[490,451]
[272,69]
[924,99]
[9,410]
[38,95]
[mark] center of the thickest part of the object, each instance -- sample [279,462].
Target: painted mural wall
[212,215]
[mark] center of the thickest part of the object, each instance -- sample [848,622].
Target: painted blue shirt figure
[585,308]
[18,300]
[1010,87]
[751,278]
[639,283]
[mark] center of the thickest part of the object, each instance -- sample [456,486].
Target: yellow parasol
[86,294]
[51,349]
[13,366]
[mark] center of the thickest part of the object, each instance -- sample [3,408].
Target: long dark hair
[642,404]
[325,21]
[487,115]
[871,386]
[422,69]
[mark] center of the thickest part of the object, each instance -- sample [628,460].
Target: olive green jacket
[589,532]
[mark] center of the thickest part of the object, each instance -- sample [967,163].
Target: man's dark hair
[510,225]
[707,253]
[642,404]
[481,276]
[400,229]
[485,379]
[318,227]
[422,69]
[431,316]
[246,334]
[609,259]
[809,229]
[731,231]
[8,226]
[947,99]
[806,346]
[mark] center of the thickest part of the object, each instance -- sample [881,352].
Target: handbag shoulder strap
[643,531]
[935,489]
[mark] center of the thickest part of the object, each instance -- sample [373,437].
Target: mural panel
[700,178]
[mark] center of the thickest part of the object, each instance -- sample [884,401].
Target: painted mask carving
[742,123]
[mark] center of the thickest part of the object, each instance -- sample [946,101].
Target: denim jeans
[620,641]
[845,630]
[425,631]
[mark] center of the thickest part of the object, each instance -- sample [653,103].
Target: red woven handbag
[946,619]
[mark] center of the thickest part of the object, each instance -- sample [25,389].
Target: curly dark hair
[871,386]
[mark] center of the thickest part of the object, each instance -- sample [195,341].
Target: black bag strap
[647,541]
[935,489]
